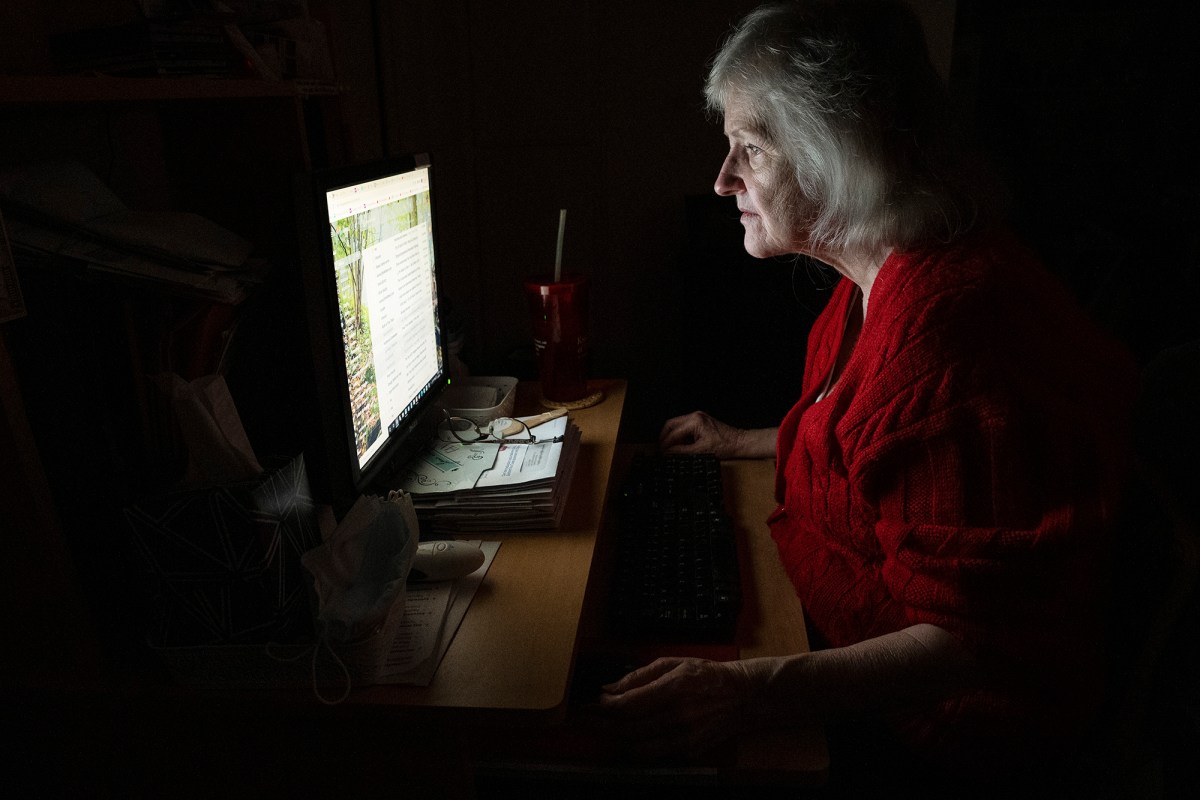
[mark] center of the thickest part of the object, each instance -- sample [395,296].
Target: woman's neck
[861,268]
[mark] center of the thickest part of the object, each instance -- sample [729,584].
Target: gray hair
[845,90]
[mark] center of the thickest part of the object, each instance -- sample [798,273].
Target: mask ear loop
[313,652]
[349,684]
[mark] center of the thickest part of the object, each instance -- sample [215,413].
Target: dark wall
[1087,109]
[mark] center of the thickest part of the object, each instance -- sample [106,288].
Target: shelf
[46,90]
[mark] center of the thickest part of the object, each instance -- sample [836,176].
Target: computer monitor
[366,234]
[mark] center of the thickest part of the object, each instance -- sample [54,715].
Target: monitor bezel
[346,480]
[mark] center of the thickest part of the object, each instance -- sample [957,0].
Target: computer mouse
[444,560]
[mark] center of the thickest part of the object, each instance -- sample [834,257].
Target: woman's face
[758,176]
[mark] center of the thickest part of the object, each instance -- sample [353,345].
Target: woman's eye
[753,149]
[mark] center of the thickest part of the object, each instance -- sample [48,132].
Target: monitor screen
[373,307]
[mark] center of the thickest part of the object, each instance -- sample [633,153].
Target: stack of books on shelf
[62,214]
[269,41]
[145,47]
[493,487]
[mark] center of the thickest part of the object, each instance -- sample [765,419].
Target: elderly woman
[948,478]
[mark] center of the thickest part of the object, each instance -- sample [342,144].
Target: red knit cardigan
[963,471]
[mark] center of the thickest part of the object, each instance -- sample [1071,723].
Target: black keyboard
[676,574]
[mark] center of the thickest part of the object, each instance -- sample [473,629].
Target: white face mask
[361,570]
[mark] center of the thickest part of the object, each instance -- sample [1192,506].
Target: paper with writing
[432,614]
[448,467]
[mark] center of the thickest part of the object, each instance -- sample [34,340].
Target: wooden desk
[510,664]
[515,648]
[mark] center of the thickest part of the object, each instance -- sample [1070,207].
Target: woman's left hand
[678,706]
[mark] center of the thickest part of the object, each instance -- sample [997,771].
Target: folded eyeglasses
[498,431]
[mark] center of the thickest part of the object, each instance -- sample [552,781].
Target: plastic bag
[360,571]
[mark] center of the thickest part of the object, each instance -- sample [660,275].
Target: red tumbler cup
[559,310]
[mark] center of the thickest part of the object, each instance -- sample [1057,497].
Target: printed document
[447,467]
[432,614]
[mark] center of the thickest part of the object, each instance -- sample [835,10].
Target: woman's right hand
[700,433]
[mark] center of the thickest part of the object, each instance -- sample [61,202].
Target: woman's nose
[727,180]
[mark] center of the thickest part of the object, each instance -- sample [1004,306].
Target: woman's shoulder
[988,263]
[968,292]
[986,311]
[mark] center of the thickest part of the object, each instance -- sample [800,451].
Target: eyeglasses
[497,431]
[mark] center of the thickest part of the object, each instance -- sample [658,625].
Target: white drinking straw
[562,225]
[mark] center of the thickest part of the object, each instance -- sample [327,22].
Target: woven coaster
[573,405]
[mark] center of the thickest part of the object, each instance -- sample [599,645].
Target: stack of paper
[489,486]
